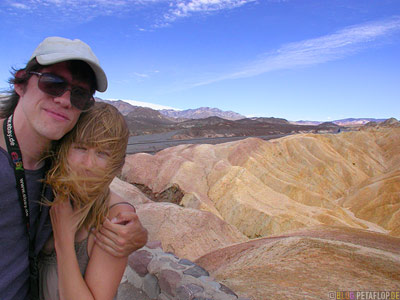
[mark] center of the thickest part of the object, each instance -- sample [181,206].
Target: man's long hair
[104,128]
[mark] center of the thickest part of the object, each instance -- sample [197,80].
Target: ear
[20,87]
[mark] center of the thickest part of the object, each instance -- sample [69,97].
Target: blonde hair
[104,128]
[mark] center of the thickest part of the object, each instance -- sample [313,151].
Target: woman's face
[87,160]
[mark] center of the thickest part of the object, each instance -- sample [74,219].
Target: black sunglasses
[56,86]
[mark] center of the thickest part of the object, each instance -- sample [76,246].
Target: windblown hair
[104,128]
[79,70]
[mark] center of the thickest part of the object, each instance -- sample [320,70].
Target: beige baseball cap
[57,49]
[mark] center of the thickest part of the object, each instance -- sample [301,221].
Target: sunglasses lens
[81,98]
[52,84]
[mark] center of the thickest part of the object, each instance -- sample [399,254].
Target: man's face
[50,117]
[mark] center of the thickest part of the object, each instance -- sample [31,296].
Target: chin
[55,136]
[55,133]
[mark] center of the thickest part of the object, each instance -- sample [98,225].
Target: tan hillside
[189,233]
[377,200]
[270,187]
[308,264]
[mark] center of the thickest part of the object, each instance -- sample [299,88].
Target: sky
[294,59]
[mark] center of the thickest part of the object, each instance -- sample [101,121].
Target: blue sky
[299,60]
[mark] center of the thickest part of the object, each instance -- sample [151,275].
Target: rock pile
[152,274]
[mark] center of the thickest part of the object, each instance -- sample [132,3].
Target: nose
[89,161]
[65,99]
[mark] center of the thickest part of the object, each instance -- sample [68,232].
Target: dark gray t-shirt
[14,246]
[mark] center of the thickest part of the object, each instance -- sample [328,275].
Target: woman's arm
[71,284]
[104,271]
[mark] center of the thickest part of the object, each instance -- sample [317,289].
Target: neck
[32,145]
[32,152]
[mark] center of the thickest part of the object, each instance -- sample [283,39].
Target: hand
[64,222]
[122,235]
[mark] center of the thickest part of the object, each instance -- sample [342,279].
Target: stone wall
[153,274]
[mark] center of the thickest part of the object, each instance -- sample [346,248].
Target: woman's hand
[64,222]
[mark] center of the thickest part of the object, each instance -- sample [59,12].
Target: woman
[72,266]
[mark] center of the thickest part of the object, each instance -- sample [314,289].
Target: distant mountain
[303,122]
[328,125]
[391,123]
[356,121]
[190,124]
[201,113]
[342,122]
[145,113]
[271,120]
[124,107]
[144,120]
[213,122]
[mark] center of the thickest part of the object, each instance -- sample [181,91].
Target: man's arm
[122,235]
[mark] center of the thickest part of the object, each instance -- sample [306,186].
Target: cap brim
[49,59]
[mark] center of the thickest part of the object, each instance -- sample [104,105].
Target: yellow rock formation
[377,200]
[271,187]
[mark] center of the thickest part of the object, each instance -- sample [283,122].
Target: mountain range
[146,121]
[204,112]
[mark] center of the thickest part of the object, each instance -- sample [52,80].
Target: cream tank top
[48,277]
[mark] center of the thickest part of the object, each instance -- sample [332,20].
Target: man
[49,94]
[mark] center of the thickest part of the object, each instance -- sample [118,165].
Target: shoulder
[118,204]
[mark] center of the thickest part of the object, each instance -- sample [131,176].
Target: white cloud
[79,10]
[315,51]
[144,75]
[186,8]
[166,11]
[141,75]
[19,5]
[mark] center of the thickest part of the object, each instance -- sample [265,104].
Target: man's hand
[122,235]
